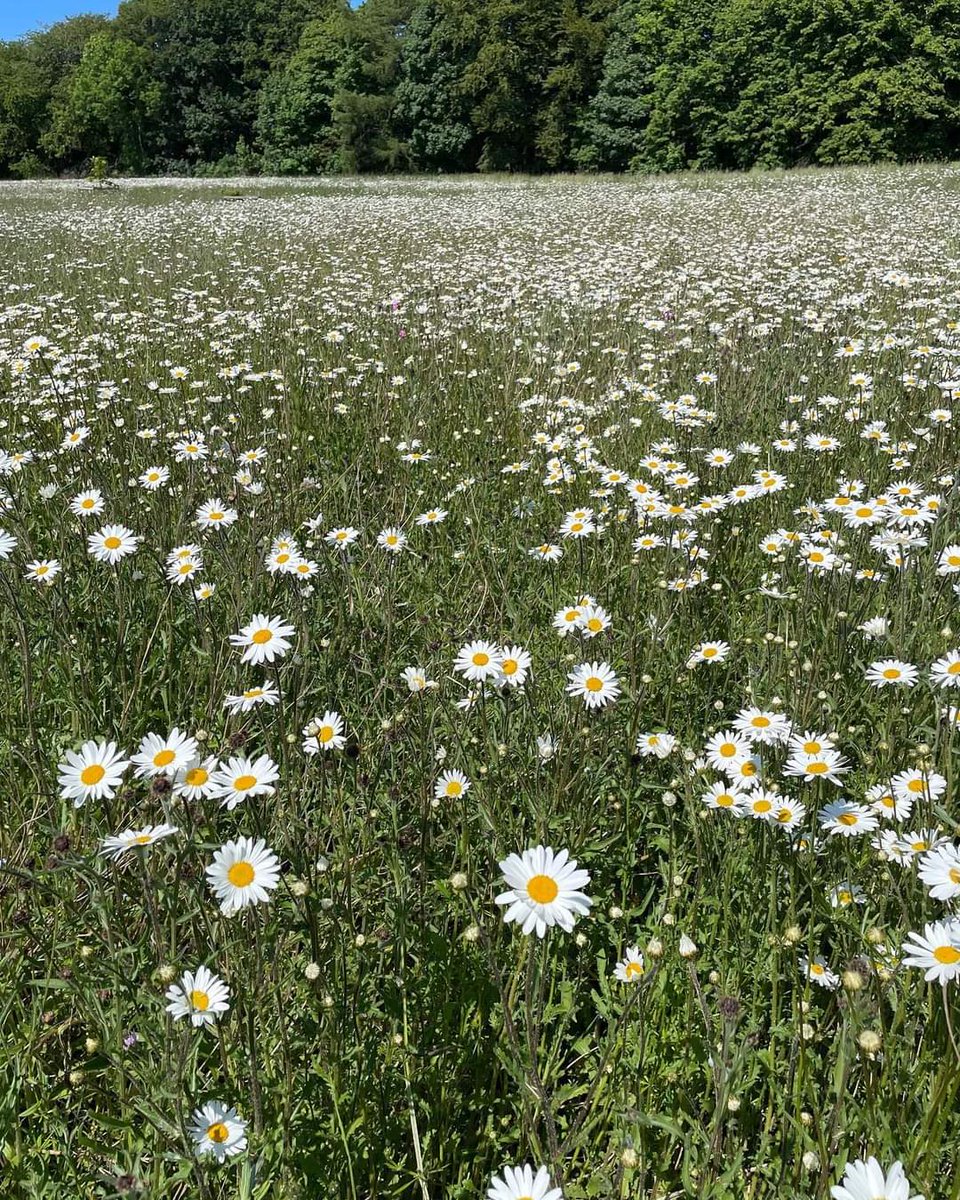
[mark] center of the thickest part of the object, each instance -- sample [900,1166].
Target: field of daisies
[481,689]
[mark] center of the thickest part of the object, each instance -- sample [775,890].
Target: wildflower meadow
[481,688]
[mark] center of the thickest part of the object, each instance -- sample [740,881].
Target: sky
[18,17]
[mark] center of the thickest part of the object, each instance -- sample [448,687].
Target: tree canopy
[305,86]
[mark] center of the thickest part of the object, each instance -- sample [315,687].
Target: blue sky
[18,17]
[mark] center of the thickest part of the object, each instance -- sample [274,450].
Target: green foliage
[311,86]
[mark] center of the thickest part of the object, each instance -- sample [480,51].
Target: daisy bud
[811,1161]
[806,1119]
[714,977]
[76,1078]
[86,951]
[360,940]
[166,973]
[458,881]
[869,1041]
[312,971]
[792,935]
[655,948]
[581,939]
[669,799]
[615,913]
[852,981]
[688,947]
[807,1032]
[875,936]
[669,919]
[733,1104]
[291,738]
[328,1001]
[300,887]
[471,933]
[629,1157]
[91,1045]
[201,735]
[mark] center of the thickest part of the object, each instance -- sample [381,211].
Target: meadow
[481,688]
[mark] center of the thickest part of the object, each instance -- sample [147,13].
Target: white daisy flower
[217,1130]
[95,771]
[243,872]
[200,995]
[544,890]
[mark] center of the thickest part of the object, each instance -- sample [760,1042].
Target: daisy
[88,504]
[342,537]
[217,1130]
[244,777]
[761,804]
[946,671]
[214,514]
[263,639]
[43,570]
[154,478]
[478,661]
[164,756]
[514,666]
[112,542]
[8,544]
[593,620]
[433,516]
[566,620]
[891,672]
[788,814]
[544,890]
[266,693]
[324,733]
[451,785]
[940,871]
[596,682]
[195,780]
[726,748]
[936,951]
[887,805]
[94,772]
[243,872]
[546,552]
[416,679]
[917,785]
[132,839]
[200,995]
[520,1183]
[630,968]
[866,1181]
[708,652]
[817,970]
[180,571]
[948,561]
[392,539]
[767,728]
[919,841]
[843,818]
[846,894]
[655,745]
[729,797]
[828,764]
[281,561]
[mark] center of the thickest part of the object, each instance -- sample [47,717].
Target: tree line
[308,86]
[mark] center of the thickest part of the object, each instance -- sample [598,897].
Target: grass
[388,1034]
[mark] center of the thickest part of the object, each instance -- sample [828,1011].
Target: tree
[614,121]
[107,105]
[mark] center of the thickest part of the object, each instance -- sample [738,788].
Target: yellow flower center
[725,800]
[954,874]
[282,558]
[784,816]
[891,673]
[480,659]
[510,666]
[727,750]
[710,652]
[593,684]
[142,839]
[633,969]
[847,819]
[92,774]
[954,668]
[595,625]
[748,769]
[88,503]
[947,955]
[196,777]
[864,512]
[762,806]
[326,733]
[262,636]
[243,783]
[915,786]
[218,1132]
[817,768]
[454,788]
[241,874]
[163,758]
[542,889]
[760,722]
[215,516]
[112,543]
